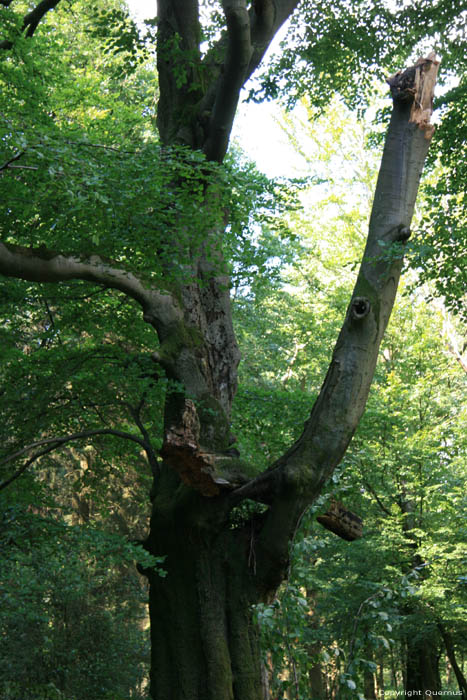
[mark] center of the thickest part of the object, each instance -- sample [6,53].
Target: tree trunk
[369,685]
[369,678]
[220,559]
[316,682]
[204,638]
[380,687]
[449,644]
[316,678]
[422,665]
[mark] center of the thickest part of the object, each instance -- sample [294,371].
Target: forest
[233,405]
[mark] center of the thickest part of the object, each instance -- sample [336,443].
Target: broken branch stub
[197,468]
[341,522]
[417,83]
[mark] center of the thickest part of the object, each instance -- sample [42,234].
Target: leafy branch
[54,442]
[31,20]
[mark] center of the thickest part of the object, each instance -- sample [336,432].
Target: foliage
[71,608]
[440,246]
[342,47]
[349,607]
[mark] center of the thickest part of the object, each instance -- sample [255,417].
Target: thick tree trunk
[204,639]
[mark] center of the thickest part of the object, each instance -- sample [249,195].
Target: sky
[255,127]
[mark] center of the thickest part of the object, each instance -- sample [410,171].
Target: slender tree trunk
[317,688]
[380,688]
[369,678]
[449,644]
[369,685]
[315,674]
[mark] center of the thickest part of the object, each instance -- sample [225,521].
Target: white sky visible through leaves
[255,128]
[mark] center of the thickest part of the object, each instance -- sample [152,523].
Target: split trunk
[221,556]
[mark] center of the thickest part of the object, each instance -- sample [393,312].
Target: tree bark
[204,640]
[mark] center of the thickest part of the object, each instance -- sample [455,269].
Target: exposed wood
[341,522]
[182,451]
[425,81]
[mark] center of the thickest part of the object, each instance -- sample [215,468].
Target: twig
[377,498]
[101,145]
[135,412]
[24,167]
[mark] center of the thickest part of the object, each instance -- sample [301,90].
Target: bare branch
[267,17]
[249,35]
[299,475]
[135,412]
[42,265]
[232,78]
[31,21]
[376,497]
[344,393]
[54,443]
[23,167]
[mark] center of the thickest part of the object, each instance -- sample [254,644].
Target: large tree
[225,534]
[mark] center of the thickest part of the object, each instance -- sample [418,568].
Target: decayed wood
[417,84]
[341,522]
[181,449]
[425,80]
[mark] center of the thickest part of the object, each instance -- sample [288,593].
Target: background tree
[149,226]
